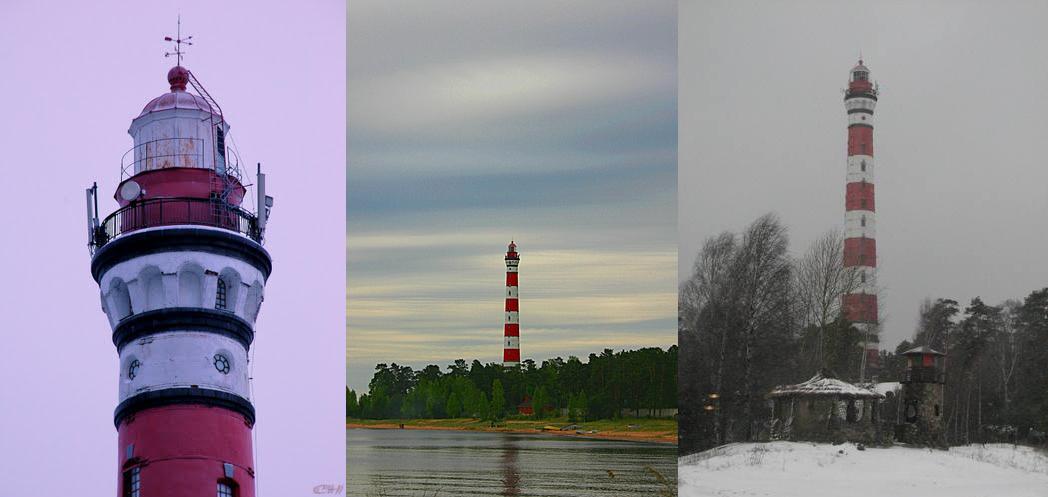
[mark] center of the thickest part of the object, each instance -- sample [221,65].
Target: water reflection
[510,473]
[410,463]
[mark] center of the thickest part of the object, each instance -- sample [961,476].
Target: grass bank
[630,429]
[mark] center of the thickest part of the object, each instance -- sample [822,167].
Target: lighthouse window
[225,490]
[863,221]
[222,364]
[132,369]
[862,166]
[220,141]
[862,277]
[220,295]
[132,482]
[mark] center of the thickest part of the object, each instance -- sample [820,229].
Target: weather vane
[178,42]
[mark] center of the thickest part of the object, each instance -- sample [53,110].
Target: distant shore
[633,430]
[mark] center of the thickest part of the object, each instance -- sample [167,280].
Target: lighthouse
[860,244]
[181,272]
[511,350]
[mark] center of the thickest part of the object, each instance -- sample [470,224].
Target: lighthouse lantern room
[181,271]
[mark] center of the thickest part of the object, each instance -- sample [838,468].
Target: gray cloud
[551,123]
[960,181]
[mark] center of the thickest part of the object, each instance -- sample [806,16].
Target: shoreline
[644,436]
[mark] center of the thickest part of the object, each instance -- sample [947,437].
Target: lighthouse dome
[178,97]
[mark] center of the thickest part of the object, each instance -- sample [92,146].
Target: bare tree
[1008,351]
[822,281]
[735,317]
[762,275]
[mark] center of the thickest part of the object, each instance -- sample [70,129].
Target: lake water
[387,463]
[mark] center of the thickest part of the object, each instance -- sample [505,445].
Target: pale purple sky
[73,77]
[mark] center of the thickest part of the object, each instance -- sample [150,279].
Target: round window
[221,364]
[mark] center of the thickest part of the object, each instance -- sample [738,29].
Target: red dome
[178,76]
[178,98]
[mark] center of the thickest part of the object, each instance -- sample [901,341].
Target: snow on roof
[923,349]
[885,387]
[820,385]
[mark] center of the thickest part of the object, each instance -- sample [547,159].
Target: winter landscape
[786,469]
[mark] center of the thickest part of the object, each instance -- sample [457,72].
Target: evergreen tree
[498,401]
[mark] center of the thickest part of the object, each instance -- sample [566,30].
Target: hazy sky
[961,182]
[73,78]
[551,123]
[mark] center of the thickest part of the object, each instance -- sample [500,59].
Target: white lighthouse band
[182,301]
[860,224]
[184,360]
[860,168]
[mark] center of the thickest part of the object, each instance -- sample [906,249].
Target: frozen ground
[785,469]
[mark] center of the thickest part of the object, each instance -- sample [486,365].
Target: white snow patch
[785,469]
[821,385]
[884,388]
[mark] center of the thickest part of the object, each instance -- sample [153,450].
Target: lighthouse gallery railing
[175,211]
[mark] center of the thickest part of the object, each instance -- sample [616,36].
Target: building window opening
[222,364]
[220,295]
[851,414]
[862,166]
[226,489]
[220,141]
[863,221]
[133,482]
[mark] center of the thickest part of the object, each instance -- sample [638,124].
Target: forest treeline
[643,379]
[752,317]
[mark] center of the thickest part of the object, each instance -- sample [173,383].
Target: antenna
[178,40]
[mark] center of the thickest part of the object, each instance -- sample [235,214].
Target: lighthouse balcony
[924,375]
[164,153]
[159,212]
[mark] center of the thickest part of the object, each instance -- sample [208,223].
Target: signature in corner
[327,488]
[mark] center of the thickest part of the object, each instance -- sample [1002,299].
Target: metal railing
[175,211]
[163,153]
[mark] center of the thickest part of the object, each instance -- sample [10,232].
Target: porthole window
[132,369]
[222,364]
[220,295]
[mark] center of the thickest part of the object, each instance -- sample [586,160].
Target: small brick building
[825,409]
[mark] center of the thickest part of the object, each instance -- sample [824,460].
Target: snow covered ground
[785,469]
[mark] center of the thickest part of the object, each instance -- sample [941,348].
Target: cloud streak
[551,124]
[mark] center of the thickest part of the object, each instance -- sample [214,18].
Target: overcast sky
[551,123]
[962,184]
[73,78]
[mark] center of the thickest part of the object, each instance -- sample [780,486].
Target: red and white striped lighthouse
[181,271]
[860,245]
[511,351]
